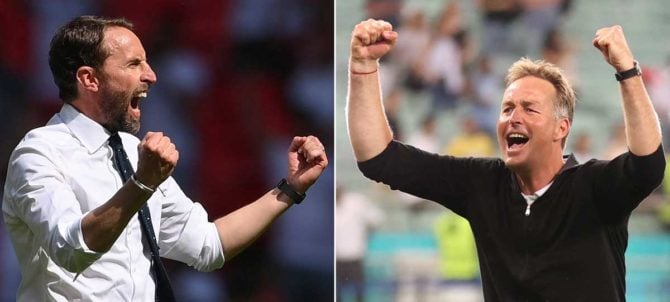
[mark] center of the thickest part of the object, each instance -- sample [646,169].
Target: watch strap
[285,188]
[633,72]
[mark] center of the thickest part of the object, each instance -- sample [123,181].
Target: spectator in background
[582,149]
[659,89]
[539,18]
[442,67]
[384,9]
[459,270]
[485,89]
[558,51]
[498,17]
[407,60]
[616,144]
[426,136]
[356,217]
[471,141]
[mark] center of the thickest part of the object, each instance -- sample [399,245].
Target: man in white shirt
[356,217]
[67,205]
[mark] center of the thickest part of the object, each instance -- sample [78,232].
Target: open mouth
[135,101]
[516,141]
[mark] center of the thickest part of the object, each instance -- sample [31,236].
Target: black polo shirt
[570,248]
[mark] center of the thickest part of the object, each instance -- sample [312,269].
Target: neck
[532,180]
[89,109]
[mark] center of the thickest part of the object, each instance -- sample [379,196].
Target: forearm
[240,228]
[643,131]
[102,226]
[368,127]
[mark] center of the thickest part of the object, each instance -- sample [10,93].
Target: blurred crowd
[448,70]
[440,57]
[236,81]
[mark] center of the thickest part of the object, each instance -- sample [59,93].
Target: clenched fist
[370,40]
[157,158]
[612,44]
[306,161]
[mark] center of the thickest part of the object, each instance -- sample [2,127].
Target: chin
[514,164]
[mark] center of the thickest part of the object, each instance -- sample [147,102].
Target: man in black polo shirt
[546,227]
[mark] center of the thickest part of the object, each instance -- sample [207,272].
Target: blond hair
[564,105]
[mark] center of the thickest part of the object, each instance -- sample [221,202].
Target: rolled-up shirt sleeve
[37,195]
[186,235]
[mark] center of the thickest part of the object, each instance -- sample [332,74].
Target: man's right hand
[370,40]
[157,158]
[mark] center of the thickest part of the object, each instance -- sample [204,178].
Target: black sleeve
[447,180]
[622,183]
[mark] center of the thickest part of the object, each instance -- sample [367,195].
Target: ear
[87,79]
[562,129]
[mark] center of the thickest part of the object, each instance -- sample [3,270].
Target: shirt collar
[570,162]
[91,134]
[539,192]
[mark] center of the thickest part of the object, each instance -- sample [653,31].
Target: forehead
[530,89]
[122,44]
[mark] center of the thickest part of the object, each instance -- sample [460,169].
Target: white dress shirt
[60,172]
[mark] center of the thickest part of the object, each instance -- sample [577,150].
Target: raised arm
[306,161]
[368,128]
[643,131]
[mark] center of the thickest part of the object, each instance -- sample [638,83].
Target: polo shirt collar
[91,134]
[570,162]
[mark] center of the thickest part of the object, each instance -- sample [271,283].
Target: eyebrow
[134,60]
[524,103]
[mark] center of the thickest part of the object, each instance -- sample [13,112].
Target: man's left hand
[612,44]
[306,161]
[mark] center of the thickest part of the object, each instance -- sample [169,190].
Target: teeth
[517,135]
[142,95]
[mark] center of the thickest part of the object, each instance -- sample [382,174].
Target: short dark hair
[79,43]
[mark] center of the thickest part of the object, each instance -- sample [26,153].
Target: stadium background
[405,254]
[236,81]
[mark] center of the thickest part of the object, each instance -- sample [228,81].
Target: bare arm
[369,131]
[643,131]
[240,228]
[237,230]
[102,226]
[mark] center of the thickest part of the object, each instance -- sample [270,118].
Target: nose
[148,75]
[514,117]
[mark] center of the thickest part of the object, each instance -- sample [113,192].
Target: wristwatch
[285,188]
[633,72]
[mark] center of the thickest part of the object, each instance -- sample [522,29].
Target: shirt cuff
[77,238]
[199,243]
[68,249]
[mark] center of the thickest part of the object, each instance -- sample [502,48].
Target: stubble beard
[115,107]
